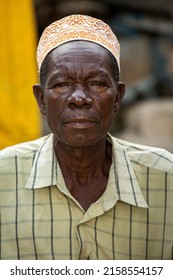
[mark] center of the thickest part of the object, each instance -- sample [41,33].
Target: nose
[79,98]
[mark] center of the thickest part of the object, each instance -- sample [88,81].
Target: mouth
[80,123]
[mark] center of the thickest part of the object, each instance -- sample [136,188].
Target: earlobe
[119,96]
[39,95]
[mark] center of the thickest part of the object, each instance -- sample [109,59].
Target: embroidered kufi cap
[77,27]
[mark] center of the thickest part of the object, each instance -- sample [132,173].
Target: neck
[84,162]
[85,170]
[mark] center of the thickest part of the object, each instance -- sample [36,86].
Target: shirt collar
[127,186]
[45,172]
[44,168]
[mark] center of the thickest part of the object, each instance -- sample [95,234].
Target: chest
[45,224]
[87,192]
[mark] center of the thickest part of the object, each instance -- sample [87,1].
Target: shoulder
[152,157]
[22,149]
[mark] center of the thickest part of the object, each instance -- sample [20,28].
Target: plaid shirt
[40,219]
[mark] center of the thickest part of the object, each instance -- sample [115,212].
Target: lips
[80,122]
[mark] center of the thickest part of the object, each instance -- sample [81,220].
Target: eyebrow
[57,75]
[99,73]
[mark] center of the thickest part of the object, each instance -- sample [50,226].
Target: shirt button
[60,196]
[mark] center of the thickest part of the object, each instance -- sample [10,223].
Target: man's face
[80,94]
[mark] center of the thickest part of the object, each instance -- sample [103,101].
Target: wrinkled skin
[79,99]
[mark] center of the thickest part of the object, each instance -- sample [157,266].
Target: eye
[63,84]
[97,84]
[58,85]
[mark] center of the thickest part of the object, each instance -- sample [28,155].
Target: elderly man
[79,193]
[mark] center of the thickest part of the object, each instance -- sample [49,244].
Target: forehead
[77,50]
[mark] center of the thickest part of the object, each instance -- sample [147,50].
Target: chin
[81,141]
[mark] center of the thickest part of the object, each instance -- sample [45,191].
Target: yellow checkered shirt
[40,219]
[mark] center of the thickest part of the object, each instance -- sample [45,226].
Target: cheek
[53,111]
[109,105]
[108,110]
[54,99]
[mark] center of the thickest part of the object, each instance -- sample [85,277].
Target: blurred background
[145,32]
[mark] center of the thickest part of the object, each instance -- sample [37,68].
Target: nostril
[72,105]
[87,105]
[79,104]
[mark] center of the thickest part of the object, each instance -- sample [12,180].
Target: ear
[119,96]
[40,97]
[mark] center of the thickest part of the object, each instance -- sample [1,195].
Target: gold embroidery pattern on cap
[77,27]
